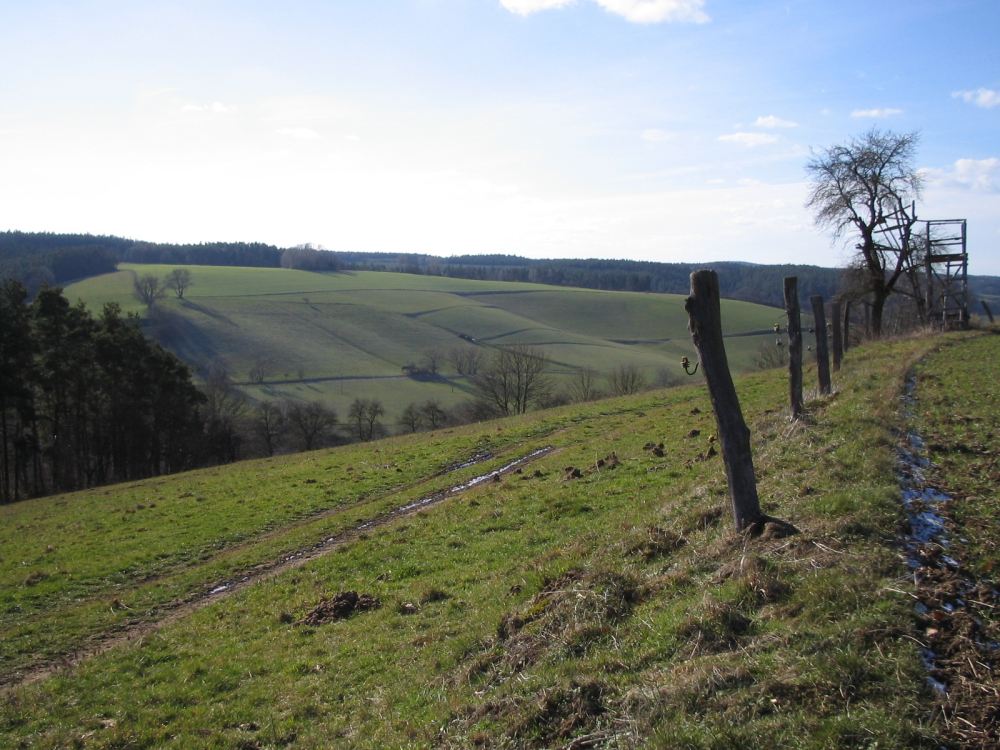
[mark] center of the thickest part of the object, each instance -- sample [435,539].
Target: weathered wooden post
[794,345]
[989,313]
[838,341]
[705,323]
[847,324]
[822,355]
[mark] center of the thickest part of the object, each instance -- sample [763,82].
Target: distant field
[334,337]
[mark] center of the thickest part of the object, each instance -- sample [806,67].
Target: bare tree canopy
[864,186]
[148,288]
[179,280]
[512,380]
[625,380]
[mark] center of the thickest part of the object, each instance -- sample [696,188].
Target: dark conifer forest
[87,401]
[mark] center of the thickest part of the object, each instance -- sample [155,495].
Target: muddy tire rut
[170,612]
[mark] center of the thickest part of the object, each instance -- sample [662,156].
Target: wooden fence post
[838,341]
[847,324]
[794,345]
[705,324]
[822,355]
[989,313]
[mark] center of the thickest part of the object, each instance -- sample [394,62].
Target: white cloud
[750,140]
[636,11]
[657,11]
[979,175]
[655,135]
[879,113]
[215,108]
[985,98]
[299,133]
[526,7]
[771,121]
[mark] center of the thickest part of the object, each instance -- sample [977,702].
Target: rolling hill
[568,578]
[334,337]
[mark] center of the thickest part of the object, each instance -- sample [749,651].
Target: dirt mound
[339,607]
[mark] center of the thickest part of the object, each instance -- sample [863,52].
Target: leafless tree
[269,424]
[364,414]
[771,354]
[431,361]
[179,280]
[433,414]
[625,380]
[412,418]
[864,186]
[148,289]
[466,359]
[583,386]
[225,409]
[312,422]
[512,380]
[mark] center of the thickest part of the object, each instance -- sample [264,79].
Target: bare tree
[312,422]
[625,380]
[412,418]
[431,361]
[148,289]
[867,186]
[512,380]
[433,414]
[179,280]
[258,371]
[269,424]
[225,408]
[583,386]
[364,414]
[465,359]
[770,355]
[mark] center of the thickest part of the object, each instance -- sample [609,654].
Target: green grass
[526,613]
[337,337]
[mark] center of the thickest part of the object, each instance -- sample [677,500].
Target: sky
[666,130]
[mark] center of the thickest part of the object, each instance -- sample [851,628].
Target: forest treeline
[37,259]
[28,257]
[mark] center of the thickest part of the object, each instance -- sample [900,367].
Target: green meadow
[334,337]
[597,597]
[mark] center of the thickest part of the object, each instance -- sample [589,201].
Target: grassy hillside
[336,337]
[593,597]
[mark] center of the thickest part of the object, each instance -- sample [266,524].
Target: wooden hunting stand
[936,262]
[946,266]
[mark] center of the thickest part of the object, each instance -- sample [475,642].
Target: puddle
[928,537]
[319,548]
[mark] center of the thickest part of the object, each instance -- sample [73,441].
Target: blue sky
[671,130]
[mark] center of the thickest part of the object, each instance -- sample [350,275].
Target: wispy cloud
[215,108]
[979,175]
[299,133]
[636,11]
[750,140]
[771,121]
[655,135]
[526,7]
[657,11]
[878,113]
[985,98]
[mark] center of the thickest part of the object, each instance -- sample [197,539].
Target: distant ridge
[39,258]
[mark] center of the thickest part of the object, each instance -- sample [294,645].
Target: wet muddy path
[951,603]
[220,589]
